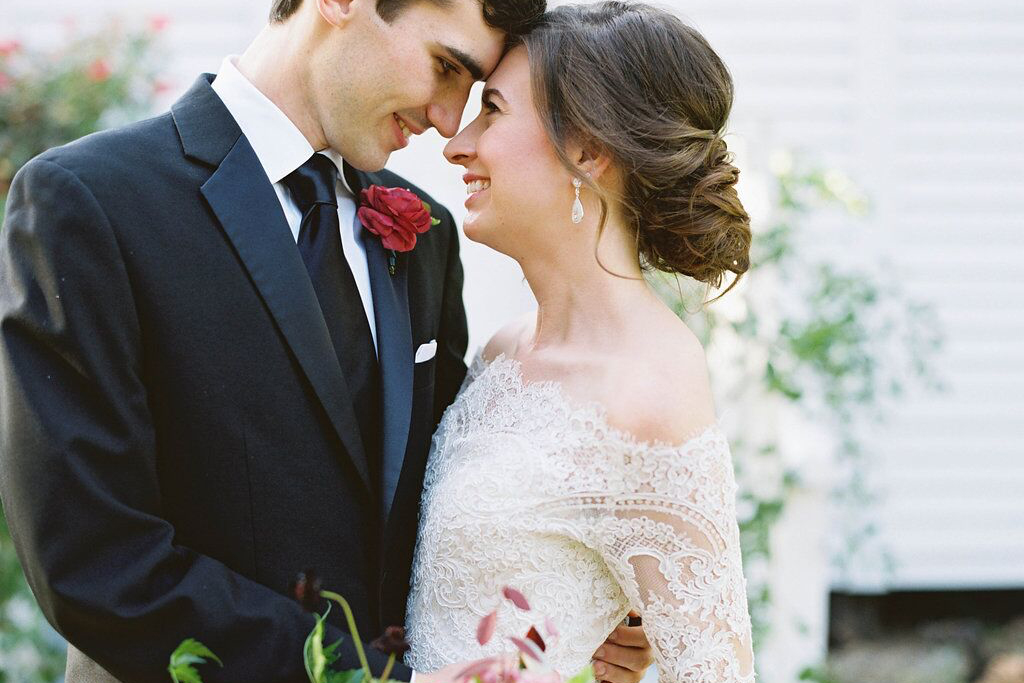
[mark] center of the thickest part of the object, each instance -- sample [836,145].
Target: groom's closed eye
[467,62]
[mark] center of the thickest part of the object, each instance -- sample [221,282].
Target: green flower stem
[331,595]
[387,669]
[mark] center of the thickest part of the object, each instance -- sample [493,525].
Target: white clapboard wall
[921,102]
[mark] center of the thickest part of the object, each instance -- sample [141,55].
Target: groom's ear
[341,12]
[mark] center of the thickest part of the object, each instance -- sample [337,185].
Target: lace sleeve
[476,366]
[670,536]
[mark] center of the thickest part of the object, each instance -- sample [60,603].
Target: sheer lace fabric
[525,488]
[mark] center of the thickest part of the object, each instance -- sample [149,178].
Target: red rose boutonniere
[396,216]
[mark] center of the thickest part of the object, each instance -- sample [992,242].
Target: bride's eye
[490,107]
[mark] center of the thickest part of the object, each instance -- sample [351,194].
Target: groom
[211,376]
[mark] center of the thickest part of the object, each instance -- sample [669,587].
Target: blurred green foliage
[49,98]
[806,328]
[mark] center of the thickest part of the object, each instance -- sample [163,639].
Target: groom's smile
[405,130]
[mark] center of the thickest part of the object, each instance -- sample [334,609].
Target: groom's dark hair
[513,17]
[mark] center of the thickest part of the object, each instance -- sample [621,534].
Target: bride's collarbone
[657,400]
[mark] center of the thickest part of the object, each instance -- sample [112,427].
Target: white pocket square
[426,351]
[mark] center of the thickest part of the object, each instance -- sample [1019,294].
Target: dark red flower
[306,589]
[392,642]
[393,214]
[534,635]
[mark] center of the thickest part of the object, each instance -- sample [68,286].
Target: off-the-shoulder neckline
[593,409]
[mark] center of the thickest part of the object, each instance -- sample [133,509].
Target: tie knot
[313,183]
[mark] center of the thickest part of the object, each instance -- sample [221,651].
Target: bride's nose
[461,149]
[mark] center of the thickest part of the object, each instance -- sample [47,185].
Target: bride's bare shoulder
[510,336]
[662,390]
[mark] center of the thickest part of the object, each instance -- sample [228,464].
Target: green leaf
[313,655]
[190,652]
[584,676]
[331,652]
[351,676]
[434,221]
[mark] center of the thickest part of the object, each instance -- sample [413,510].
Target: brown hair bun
[650,92]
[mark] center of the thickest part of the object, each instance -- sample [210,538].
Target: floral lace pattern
[525,488]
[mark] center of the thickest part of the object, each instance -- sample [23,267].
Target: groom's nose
[445,115]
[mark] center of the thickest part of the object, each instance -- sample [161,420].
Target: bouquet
[525,662]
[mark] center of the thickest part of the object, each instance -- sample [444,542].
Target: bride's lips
[476,185]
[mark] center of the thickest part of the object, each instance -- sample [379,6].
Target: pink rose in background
[159,22]
[9,47]
[393,214]
[99,71]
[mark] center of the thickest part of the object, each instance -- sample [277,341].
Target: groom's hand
[625,656]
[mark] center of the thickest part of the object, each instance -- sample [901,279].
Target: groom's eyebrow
[467,62]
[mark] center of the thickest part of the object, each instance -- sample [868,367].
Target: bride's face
[519,192]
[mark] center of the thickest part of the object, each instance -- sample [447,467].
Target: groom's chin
[368,163]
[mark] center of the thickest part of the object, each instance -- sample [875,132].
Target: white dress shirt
[281,149]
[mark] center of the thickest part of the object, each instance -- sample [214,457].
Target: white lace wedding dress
[528,489]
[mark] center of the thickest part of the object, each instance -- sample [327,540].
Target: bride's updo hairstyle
[637,84]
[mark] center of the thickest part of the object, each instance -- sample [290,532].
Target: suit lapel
[247,207]
[395,352]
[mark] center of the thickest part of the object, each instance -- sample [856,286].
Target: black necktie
[312,186]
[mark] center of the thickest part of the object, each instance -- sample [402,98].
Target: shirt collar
[279,145]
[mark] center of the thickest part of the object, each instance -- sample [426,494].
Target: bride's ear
[589,161]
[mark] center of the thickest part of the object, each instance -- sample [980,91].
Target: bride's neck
[579,303]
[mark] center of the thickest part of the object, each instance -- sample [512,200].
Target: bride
[582,462]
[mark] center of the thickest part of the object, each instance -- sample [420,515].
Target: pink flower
[98,71]
[550,627]
[543,676]
[516,598]
[393,214]
[487,670]
[486,628]
[160,87]
[528,648]
[159,22]
[9,47]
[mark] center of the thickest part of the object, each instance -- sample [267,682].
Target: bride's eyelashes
[490,107]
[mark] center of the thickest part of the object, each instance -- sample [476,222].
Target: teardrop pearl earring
[577,206]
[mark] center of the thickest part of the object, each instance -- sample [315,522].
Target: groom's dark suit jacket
[177,440]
